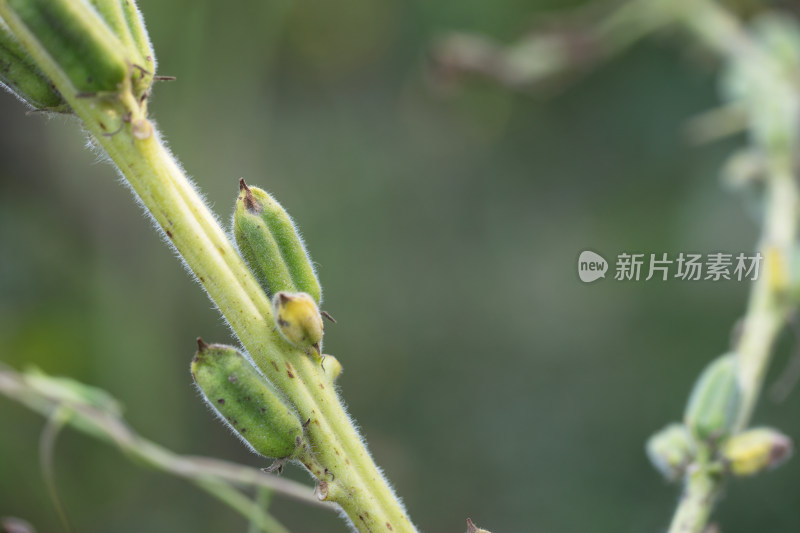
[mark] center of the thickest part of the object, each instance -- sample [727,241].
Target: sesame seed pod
[246,401]
[124,20]
[713,405]
[271,246]
[21,77]
[78,40]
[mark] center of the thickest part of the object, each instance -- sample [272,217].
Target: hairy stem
[218,478]
[350,476]
[768,307]
[697,501]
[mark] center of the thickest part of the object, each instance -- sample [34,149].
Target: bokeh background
[489,381]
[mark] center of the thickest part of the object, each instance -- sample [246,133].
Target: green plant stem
[262,500]
[185,219]
[697,501]
[215,476]
[260,520]
[353,479]
[768,307]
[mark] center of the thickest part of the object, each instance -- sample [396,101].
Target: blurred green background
[489,381]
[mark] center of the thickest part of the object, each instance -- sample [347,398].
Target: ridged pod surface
[271,246]
[713,405]
[246,401]
[20,75]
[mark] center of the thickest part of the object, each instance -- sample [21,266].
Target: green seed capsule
[125,22]
[78,40]
[246,401]
[713,405]
[298,319]
[756,450]
[20,75]
[270,245]
[671,451]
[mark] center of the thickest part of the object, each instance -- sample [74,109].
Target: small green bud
[671,451]
[22,78]
[756,450]
[714,403]
[271,246]
[332,367]
[298,319]
[246,401]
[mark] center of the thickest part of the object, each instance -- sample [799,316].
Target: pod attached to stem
[714,403]
[270,245]
[246,401]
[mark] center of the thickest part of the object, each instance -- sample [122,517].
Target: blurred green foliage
[489,381]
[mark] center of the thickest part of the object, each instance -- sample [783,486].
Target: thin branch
[108,426]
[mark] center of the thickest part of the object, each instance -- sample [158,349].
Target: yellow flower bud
[298,319]
[756,450]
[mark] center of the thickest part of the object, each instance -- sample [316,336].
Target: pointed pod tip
[472,528]
[201,345]
[249,202]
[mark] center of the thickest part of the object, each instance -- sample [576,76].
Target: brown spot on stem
[221,401]
[243,430]
[282,322]
[389,526]
[275,366]
[321,386]
[169,234]
[346,460]
[201,279]
[289,370]
[322,490]
[337,451]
